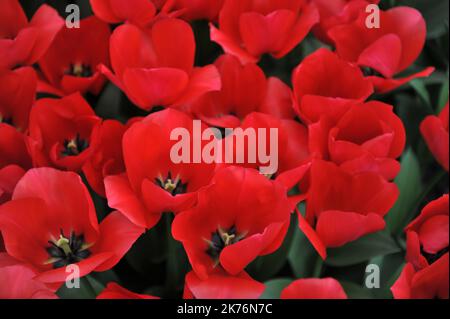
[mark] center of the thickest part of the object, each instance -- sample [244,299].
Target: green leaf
[435,13]
[177,264]
[302,256]
[355,291]
[89,289]
[274,288]
[410,186]
[363,249]
[148,264]
[105,277]
[419,86]
[443,96]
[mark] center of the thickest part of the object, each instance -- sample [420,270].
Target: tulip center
[432,258]
[220,239]
[367,71]
[67,250]
[173,186]
[74,146]
[6,120]
[80,70]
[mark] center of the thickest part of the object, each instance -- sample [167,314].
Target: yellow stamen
[78,69]
[227,238]
[72,144]
[170,185]
[63,243]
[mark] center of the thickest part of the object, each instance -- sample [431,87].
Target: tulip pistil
[173,186]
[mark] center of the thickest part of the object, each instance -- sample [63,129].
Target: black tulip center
[74,146]
[67,250]
[6,120]
[367,71]
[80,70]
[173,186]
[220,239]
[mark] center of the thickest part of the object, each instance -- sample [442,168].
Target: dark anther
[6,120]
[220,239]
[80,70]
[173,186]
[370,72]
[74,146]
[66,251]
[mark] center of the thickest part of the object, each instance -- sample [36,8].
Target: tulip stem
[318,267]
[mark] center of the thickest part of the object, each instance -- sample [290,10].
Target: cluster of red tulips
[338,145]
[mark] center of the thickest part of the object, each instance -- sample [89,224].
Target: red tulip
[290,158]
[250,221]
[220,285]
[315,93]
[18,281]
[108,158]
[115,291]
[198,9]
[337,12]
[71,62]
[154,66]
[17,94]
[24,42]
[51,223]
[13,149]
[435,132]
[292,142]
[159,186]
[245,89]
[338,216]
[325,288]
[250,28]
[425,276]
[9,177]
[191,9]
[368,137]
[139,12]
[388,50]
[62,132]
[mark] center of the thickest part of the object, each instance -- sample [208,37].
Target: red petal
[122,197]
[383,55]
[115,291]
[336,228]
[437,138]
[117,235]
[152,87]
[222,286]
[325,288]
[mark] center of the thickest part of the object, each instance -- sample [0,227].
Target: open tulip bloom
[224,149]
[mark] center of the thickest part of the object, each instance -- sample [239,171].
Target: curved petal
[121,197]
[153,87]
[223,286]
[324,288]
[336,228]
[117,235]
